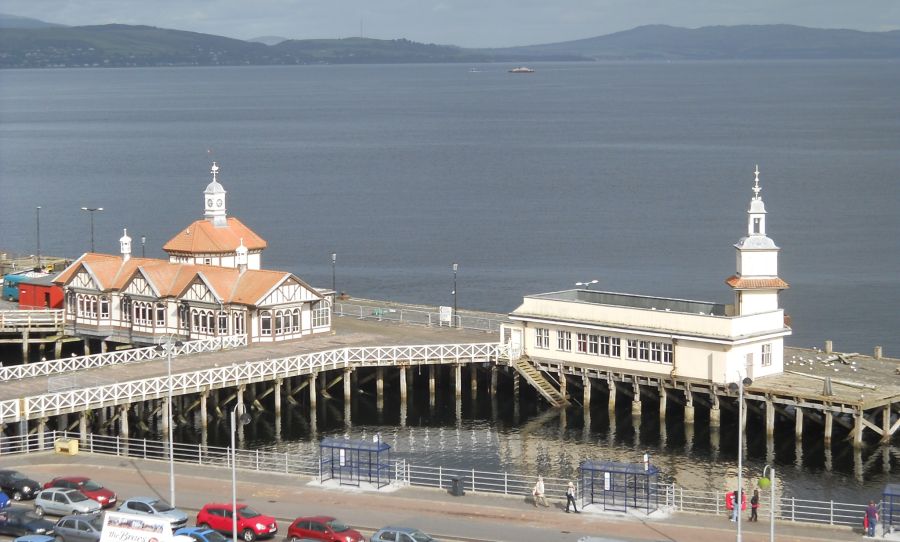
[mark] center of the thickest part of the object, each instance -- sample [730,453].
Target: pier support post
[798,423]
[473,379]
[87,347]
[346,381]
[688,406]
[636,401]
[25,338]
[379,388]
[663,403]
[403,384]
[886,424]
[829,422]
[611,398]
[57,349]
[41,429]
[103,347]
[770,417]
[277,393]
[312,391]
[457,377]
[494,372]
[431,370]
[857,429]
[715,412]
[123,420]
[516,396]
[586,393]
[83,426]
[563,384]
[204,413]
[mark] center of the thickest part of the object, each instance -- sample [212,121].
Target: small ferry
[522,69]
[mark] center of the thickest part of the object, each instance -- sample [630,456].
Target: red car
[88,487]
[322,528]
[250,523]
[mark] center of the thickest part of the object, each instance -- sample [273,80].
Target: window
[644,350]
[564,341]
[295,321]
[756,223]
[593,344]
[223,323]
[582,343]
[632,349]
[668,354]
[605,345]
[265,323]
[616,348]
[160,314]
[238,318]
[321,314]
[125,309]
[279,322]
[104,307]
[766,355]
[656,352]
[541,338]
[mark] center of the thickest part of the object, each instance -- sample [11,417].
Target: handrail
[414,316]
[31,319]
[120,357]
[240,373]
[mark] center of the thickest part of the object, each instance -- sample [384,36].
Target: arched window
[265,323]
[223,323]
[160,315]
[238,317]
[295,321]
[104,307]
[279,322]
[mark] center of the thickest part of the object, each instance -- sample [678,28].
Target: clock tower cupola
[214,200]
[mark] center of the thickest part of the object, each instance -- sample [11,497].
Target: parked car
[17,485]
[21,522]
[151,506]
[90,488]
[79,528]
[4,500]
[34,538]
[400,534]
[201,534]
[323,528]
[62,502]
[250,523]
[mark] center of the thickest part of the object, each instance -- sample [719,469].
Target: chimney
[877,354]
[828,346]
[125,245]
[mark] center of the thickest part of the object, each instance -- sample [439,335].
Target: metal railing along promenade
[76,400]
[416,316]
[120,357]
[31,320]
[671,497]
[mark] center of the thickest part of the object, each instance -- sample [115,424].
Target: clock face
[219,202]
[209,202]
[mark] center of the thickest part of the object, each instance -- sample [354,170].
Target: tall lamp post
[143,242]
[333,264]
[455,269]
[37,211]
[92,210]
[739,387]
[771,482]
[169,346]
[244,419]
[587,285]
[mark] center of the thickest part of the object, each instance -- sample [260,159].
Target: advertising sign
[446,315]
[120,527]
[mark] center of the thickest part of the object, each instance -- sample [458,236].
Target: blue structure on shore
[619,486]
[355,461]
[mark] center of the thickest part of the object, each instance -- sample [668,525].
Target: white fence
[418,316]
[32,320]
[670,496]
[77,400]
[120,357]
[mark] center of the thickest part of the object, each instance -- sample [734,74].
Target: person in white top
[538,492]
[570,498]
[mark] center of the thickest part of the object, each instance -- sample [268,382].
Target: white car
[64,502]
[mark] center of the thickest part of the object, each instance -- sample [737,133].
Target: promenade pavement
[475,517]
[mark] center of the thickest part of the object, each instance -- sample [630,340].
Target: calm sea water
[635,174]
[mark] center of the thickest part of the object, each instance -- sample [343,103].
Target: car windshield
[419,536]
[338,526]
[17,476]
[75,496]
[213,536]
[90,485]
[248,512]
[162,506]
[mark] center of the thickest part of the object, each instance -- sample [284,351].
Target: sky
[467,23]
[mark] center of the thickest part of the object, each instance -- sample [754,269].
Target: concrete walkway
[474,517]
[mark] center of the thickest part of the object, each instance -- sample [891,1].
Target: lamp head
[747,381]
[244,418]
[455,267]
[733,387]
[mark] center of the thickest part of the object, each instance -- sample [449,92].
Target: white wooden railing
[121,357]
[77,400]
[32,320]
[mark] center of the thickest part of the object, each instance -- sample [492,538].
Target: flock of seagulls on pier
[810,362]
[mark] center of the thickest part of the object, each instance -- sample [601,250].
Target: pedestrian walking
[538,492]
[871,518]
[570,498]
[754,504]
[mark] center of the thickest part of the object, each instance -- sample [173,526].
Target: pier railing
[133,355]
[671,497]
[76,400]
[416,316]
[31,320]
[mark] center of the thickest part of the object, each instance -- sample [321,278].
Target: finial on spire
[214,170]
[756,187]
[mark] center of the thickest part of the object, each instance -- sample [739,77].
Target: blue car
[201,534]
[4,500]
[34,538]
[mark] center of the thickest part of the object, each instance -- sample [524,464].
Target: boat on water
[522,69]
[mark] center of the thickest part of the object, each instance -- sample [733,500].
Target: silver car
[85,528]
[151,506]
[63,502]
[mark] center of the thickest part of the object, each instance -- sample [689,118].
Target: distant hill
[726,42]
[268,40]
[118,45]
[14,21]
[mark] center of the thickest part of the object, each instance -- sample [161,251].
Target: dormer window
[756,225]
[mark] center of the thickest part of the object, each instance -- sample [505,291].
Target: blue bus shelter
[619,486]
[890,508]
[352,462]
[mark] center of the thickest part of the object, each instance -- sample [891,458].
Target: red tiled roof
[739,283]
[202,237]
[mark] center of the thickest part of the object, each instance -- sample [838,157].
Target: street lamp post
[168,348]
[771,477]
[143,242]
[244,419]
[37,211]
[92,210]
[455,269]
[739,387]
[333,264]
[587,285]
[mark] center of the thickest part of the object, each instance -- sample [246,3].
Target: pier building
[667,337]
[211,286]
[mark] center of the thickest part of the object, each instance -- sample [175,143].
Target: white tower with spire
[240,256]
[125,245]
[756,284]
[214,200]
